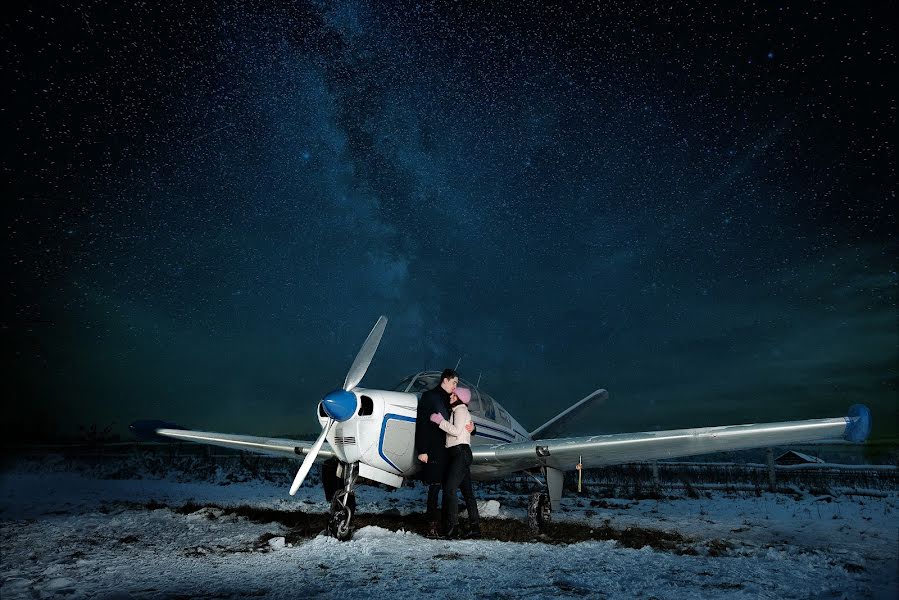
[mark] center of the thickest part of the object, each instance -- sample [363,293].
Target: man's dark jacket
[430,439]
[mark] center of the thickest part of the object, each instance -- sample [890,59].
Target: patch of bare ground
[307,525]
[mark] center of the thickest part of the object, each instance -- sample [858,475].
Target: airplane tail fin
[560,420]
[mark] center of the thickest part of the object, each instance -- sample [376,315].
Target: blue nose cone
[340,405]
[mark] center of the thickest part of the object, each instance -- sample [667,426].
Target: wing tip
[145,429]
[858,423]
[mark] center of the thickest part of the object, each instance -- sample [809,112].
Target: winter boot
[434,530]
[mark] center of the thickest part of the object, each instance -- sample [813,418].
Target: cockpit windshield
[401,386]
[416,384]
[481,403]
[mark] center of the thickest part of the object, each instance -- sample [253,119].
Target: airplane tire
[339,525]
[341,514]
[539,512]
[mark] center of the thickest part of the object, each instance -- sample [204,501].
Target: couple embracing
[443,430]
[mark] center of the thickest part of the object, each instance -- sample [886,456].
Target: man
[430,442]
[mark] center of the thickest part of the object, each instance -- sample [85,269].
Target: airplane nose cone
[340,405]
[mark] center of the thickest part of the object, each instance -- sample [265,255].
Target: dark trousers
[434,474]
[433,492]
[458,477]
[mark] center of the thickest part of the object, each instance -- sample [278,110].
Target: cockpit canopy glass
[418,383]
[487,408]
[481,404]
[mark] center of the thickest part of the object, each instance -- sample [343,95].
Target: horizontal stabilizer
[557,423]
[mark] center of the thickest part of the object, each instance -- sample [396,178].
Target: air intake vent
[345,441]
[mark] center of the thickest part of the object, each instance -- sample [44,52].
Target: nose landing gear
[343,505]
[340,516]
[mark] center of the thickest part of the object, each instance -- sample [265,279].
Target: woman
[458,474]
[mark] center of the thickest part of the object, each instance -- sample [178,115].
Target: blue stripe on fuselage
[387,417]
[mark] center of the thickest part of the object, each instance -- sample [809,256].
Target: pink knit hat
[464,394]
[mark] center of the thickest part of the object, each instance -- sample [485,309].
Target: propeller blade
[366,353]
[310,459]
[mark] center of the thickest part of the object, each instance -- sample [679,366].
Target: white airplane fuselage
[380,436]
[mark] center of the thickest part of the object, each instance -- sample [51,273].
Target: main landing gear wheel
[539,512]
[342,507]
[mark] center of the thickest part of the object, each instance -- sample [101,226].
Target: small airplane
[370,433]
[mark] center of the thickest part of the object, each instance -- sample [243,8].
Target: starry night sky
[208,206]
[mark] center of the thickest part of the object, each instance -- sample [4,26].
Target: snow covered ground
[72,534]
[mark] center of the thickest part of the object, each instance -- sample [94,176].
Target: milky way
[210,205]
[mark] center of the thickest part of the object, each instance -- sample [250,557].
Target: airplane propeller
[340,404]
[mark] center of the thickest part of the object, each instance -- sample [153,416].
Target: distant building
[791,457]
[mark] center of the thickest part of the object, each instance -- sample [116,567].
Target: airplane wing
[149,430]
[600,450]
